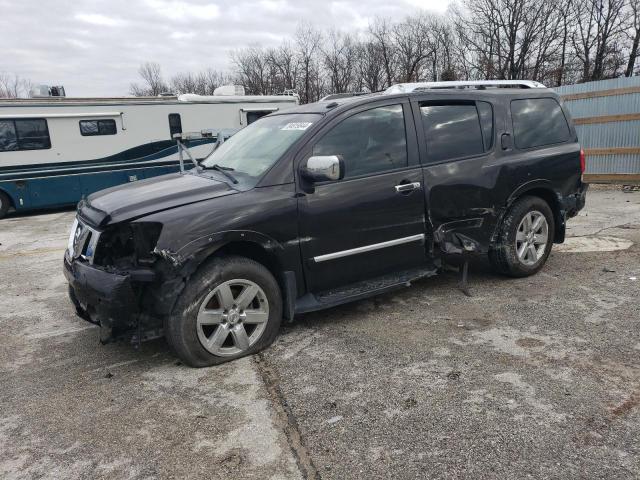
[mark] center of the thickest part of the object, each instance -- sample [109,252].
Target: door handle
[407,187]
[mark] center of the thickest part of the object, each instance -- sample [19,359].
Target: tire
[508,256]
[205,299]
[5,204]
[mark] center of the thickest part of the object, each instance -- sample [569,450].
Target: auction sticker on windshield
[297,126]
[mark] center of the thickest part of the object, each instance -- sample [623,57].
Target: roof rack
[477,84]
[338,96]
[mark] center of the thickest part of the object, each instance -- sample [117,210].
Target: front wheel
[525,238]
[230,308]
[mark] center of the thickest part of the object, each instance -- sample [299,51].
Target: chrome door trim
[369,248]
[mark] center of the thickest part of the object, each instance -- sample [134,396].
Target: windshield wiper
[222,170]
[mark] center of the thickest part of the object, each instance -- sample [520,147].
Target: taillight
[582,160]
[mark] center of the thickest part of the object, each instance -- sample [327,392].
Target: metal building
[607,118]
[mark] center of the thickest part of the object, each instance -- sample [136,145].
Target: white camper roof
[164,99]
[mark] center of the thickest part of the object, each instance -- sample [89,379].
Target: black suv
[325,204]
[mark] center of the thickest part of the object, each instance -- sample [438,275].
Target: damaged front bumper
[111,300]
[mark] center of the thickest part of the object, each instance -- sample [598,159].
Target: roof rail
[478,84]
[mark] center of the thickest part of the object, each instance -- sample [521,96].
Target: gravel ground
[528,378]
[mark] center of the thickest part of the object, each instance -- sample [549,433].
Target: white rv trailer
[55,150]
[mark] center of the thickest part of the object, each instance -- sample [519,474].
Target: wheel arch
[255,246]
[542,189]
[12,202]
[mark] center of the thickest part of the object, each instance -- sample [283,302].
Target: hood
[137,199]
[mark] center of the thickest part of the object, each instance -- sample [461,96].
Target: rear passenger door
[457,142]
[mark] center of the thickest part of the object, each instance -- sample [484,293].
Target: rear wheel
[230,308]
[5,204]
[525,238]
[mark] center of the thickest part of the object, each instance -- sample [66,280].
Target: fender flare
[557,207]
[196,251]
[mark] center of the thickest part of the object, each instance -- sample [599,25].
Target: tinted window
[369,142]
[253,116]
[537,122]
[486,123]
[452,131]
[97,127]
[175,124]
[24,134]
[8,138]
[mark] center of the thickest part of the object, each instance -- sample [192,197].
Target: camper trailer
[55,150]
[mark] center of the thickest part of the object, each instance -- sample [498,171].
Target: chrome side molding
[369,248]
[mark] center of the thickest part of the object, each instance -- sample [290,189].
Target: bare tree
[253,69]
[370,70]
[307,41]
[599,26]
[13,86]
[555,42]
[338,55]
[381,31]
[413,45]
[153,83]
[285,61]
[633,34]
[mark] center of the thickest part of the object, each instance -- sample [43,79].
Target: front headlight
[127,244]
[72,237]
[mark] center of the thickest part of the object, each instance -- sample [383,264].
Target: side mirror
[323,168]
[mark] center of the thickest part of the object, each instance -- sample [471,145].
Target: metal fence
[607,119]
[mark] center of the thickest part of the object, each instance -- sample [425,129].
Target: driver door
[372,222]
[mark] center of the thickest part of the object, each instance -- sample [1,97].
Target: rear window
[538,122]
[454,131]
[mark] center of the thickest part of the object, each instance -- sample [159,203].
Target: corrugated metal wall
[607,119]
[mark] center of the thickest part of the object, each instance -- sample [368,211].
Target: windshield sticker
[297,126]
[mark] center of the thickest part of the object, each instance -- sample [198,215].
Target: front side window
[538,122]
[452,131]
[89,128]
[24,134]
[256,148]
[369,142]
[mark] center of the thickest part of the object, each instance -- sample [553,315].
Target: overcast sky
[94,47]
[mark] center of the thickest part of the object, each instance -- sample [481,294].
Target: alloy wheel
[232,317]
[532,237]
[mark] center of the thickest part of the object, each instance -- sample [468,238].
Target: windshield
[254,149]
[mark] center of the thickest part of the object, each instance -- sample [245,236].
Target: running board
[360,290]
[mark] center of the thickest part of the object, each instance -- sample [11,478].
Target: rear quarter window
[538,122]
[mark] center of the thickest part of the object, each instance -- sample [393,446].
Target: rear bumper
[575,202]
[104,298]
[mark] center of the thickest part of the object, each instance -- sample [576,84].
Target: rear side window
[538,122]
[454,131]
[24,134]
[175,124]
[89,128]
[370,142]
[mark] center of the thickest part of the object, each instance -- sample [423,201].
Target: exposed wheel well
[552,200]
